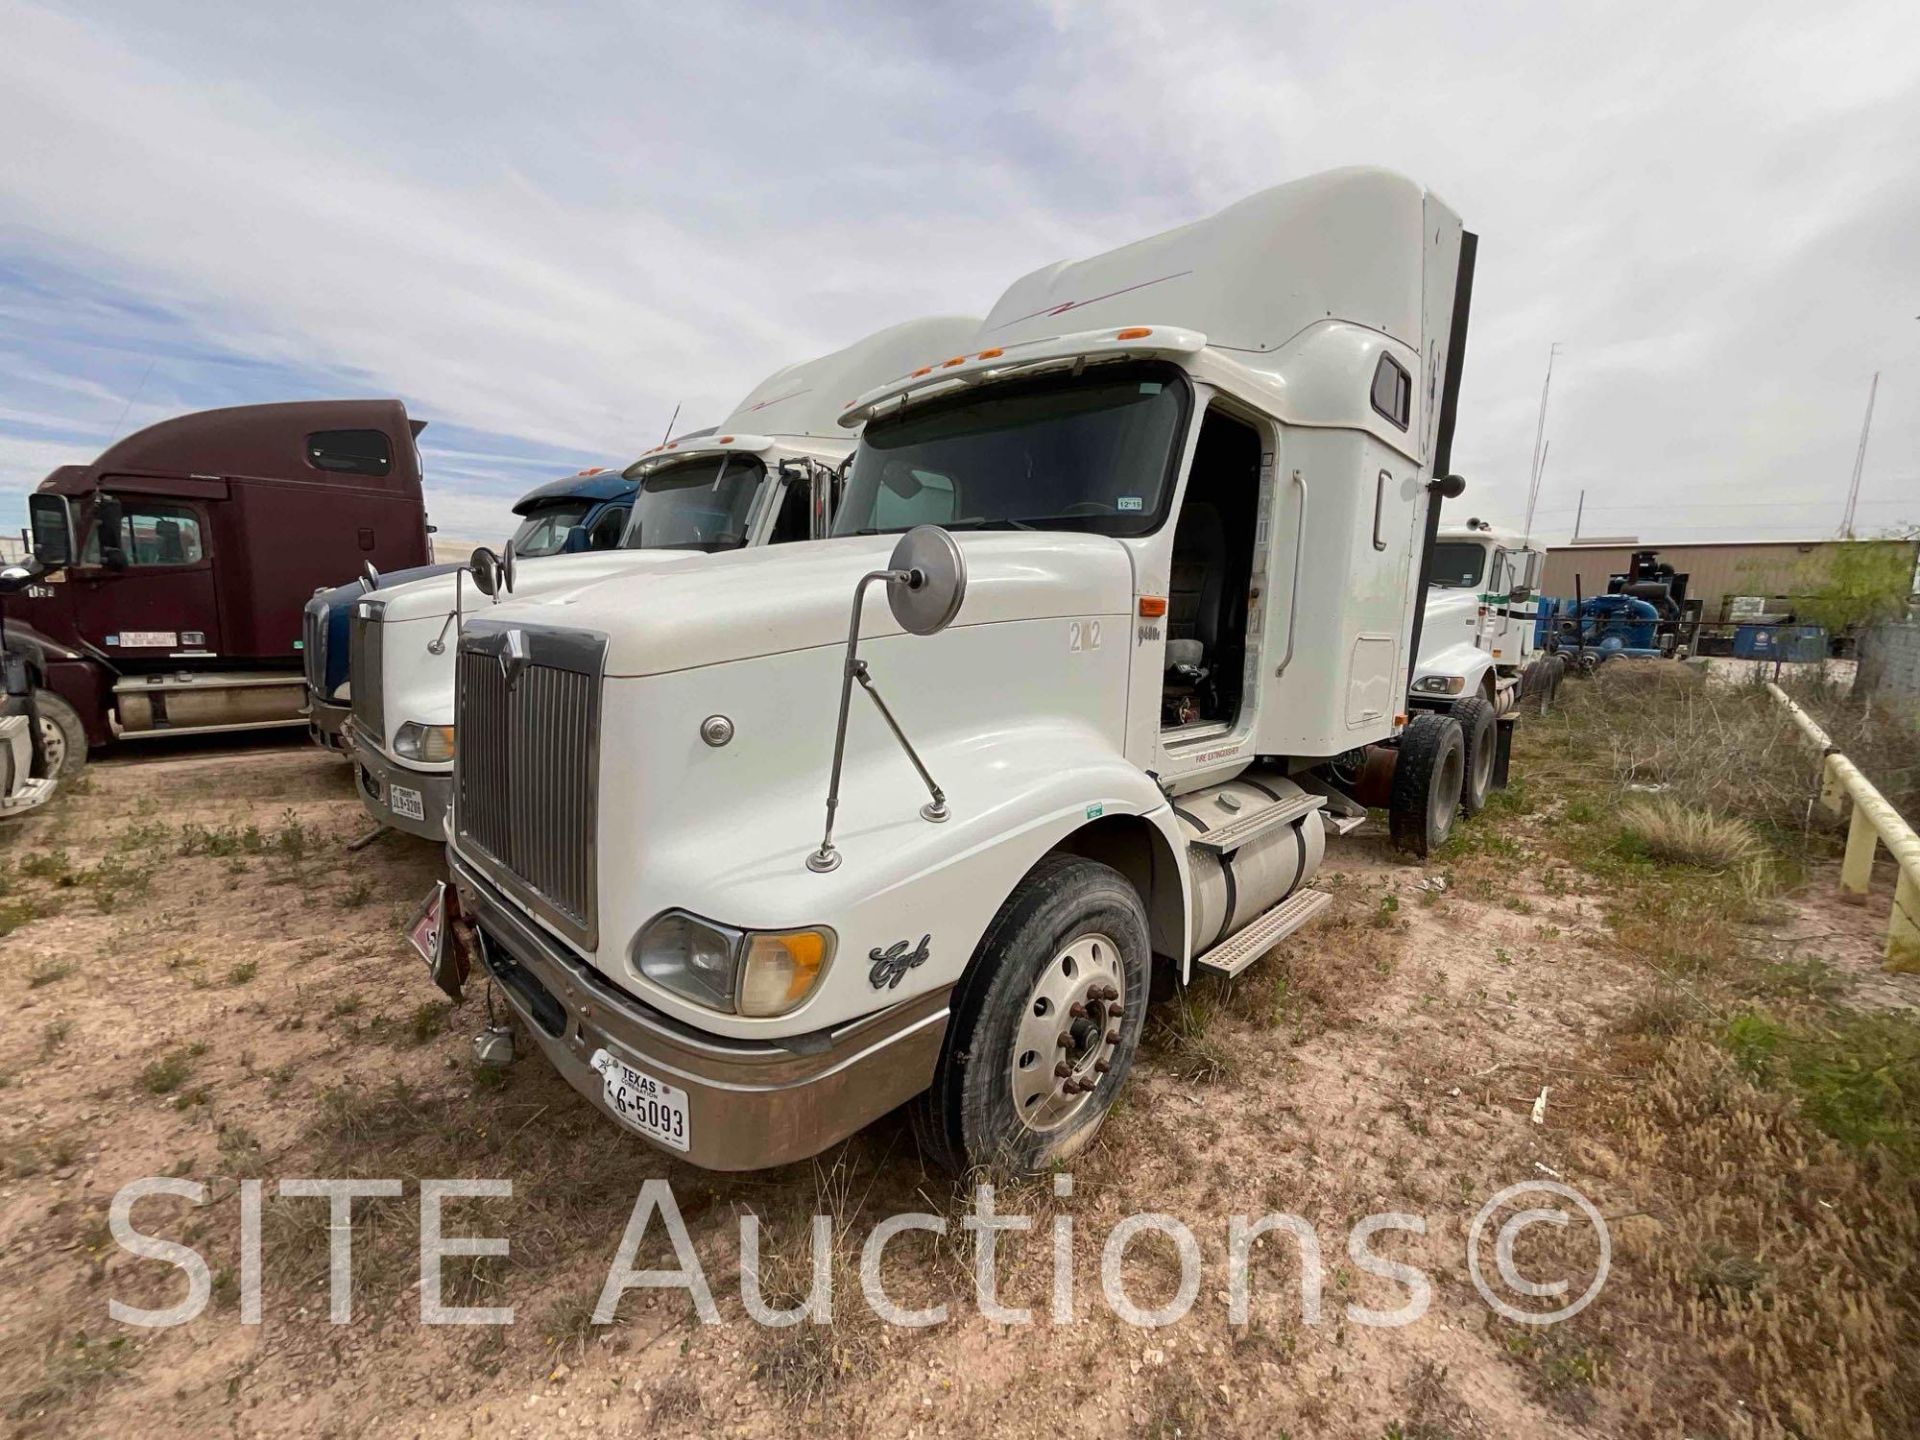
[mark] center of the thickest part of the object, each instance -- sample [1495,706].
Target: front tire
[1023,1082]
[62,734]
[1427,779]
[1477,727]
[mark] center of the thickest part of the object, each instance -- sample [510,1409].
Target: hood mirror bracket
[926,580]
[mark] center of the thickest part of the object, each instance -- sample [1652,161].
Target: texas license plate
[406,802]
[428,929]
[653,1107]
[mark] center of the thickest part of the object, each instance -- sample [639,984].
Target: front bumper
[751,1103]
[326,724]
[378,778]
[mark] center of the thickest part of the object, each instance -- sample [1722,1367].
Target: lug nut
[1063,1070]
[1114,1012]
[1077,1010]
[1101,1066]
[1064,1040]
[1113,1037]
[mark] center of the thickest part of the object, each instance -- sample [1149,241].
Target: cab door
[161,604]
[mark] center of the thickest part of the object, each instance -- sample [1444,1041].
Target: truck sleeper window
[156,534]
[1093,452]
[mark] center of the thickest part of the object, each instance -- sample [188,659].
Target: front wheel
[62,734]
[1046,1021]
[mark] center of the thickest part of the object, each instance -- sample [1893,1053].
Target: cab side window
[156,534]
[796,500]
[607,530]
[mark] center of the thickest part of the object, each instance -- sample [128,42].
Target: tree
[1857,583]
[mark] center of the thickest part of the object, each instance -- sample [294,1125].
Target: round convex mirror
[507,562]
[927,603]
[370,576]
[485,568]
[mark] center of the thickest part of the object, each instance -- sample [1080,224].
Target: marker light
[1152,607]
[1133,332]
[956,360]
[994,354]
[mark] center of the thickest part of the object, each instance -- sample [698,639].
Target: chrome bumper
[326,723]
[375,776]
[751,1104]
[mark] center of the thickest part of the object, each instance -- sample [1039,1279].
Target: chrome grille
[313,645]
[363,669]
[526,765]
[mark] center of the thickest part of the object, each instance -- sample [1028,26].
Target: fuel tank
[1233,886]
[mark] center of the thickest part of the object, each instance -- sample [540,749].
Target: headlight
[1440,684]
[430,744]
[743,972]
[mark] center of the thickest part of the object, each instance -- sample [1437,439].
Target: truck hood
[1452,618]
[748,603]
[433,599]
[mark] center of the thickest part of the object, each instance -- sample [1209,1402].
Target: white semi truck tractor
[1128,589]
[765,476]
[1479,659]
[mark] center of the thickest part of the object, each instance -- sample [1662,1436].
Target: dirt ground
[204,984]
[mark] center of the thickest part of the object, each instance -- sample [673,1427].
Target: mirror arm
[936,809]
[826,857]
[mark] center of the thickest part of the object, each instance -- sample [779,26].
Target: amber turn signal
[1152,607]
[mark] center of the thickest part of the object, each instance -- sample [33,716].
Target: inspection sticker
[128,639]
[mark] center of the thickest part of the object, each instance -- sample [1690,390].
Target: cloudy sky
[545,232]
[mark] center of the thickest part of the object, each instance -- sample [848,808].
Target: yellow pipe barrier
[1875,823]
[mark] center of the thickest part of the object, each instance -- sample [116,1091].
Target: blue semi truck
[585,511]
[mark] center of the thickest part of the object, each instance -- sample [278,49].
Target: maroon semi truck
[180,560]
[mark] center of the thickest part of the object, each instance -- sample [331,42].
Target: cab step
[1240,950]
[1235,833]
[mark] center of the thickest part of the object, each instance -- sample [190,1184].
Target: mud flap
[443,938]
[1502,749]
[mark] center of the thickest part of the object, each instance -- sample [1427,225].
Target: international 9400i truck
[584,511]
[179,562]
[764,476]
[1151,550]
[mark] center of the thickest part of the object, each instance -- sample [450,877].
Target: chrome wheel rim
[1068,1032]
[54,740]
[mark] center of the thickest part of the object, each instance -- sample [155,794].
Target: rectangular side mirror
[1519,593]
[52,520]
[820,501]
[112,523]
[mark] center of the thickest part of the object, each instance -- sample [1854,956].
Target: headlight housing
[739,972]
[1440,684]
[429,744]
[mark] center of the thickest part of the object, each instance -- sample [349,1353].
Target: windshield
[1457,564]
[1092,452]
[545,530]
[703,504]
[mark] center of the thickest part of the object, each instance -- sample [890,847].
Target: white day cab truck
[1151,554]
[1479,660]
[764,476]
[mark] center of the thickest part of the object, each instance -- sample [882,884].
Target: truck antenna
[126,408]
[1540,442]
[674,418]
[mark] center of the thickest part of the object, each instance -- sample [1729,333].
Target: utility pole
[1859,461]
[1579,510]
[1540,442]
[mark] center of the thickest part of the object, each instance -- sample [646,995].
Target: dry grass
[1769,1280]
[1674,833]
